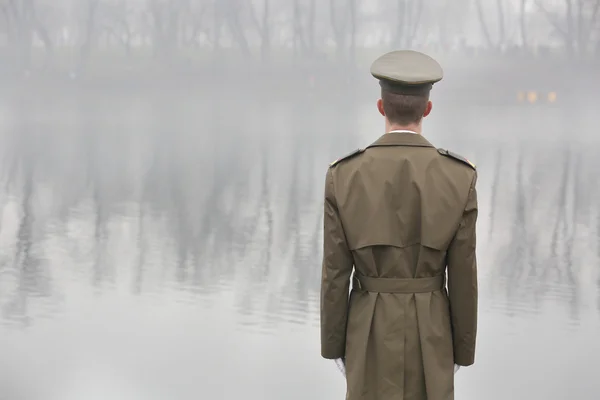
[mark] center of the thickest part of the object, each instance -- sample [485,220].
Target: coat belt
[395,285]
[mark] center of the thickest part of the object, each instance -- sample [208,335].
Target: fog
[161,187]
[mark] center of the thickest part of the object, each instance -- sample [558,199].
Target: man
[401,214]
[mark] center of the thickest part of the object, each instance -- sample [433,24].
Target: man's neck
[412,128]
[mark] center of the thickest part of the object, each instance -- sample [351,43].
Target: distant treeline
[125,34]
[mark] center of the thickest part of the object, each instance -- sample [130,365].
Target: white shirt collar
[403,131]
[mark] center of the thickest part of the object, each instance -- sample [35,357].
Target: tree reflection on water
[546,252]
[185,198]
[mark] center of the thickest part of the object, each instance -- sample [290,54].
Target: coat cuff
[464,360]
[332,353]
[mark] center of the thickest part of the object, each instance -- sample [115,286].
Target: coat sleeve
[335,278]
[462,282]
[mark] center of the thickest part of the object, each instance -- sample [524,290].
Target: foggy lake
[168,245]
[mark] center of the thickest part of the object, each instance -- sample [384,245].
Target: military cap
[407,72]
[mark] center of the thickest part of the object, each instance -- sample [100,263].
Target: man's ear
[428,108]
[380,107]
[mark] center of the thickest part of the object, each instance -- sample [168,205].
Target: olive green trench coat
[401,215]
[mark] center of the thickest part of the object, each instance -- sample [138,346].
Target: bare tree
[231,13]
[353,21]
[312,15]
[23,24]
[303,21]
[91,9]
[117,22]
[492,43]
[408,14]
[576,25]
[165,16]
[297,36]
[264,28]
[194,26]
[523,24]
[343,17]
[448,18]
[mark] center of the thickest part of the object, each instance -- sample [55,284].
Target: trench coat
[399,229]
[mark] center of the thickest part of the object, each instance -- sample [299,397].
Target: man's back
[401,201]
[400,214]
[405,212]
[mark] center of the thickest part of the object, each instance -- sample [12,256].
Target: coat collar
[401,139]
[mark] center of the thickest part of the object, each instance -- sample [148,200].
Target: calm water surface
[169,247]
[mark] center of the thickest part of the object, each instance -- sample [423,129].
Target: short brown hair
[404,109]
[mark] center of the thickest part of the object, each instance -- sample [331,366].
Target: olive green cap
[407,72]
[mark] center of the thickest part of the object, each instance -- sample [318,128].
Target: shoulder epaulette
[347,156]
[458,157]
